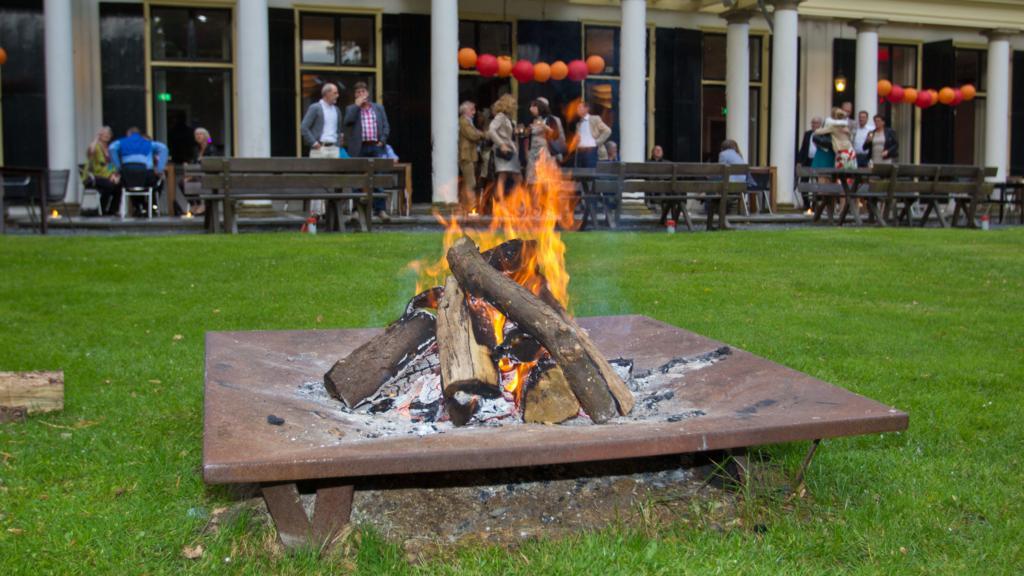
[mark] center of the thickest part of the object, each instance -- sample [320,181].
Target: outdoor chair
[31,187]
[135,184]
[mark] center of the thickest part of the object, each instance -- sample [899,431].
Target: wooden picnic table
[854,188]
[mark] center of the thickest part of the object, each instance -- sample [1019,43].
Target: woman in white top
[506,153]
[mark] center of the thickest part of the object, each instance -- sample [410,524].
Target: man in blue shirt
[135,148]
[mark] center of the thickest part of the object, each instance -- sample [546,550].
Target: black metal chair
[31,187]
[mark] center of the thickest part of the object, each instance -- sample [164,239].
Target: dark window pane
[755,58]
[122,66]
[495,38]
[714,57]
[467,34]
[483,91]
[318,39]
[185,99]
[603,96]
[604,42]
[191,34]
[971,68]
[754,137]
[357,40]
[712,122]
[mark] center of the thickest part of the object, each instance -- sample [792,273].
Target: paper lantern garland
[926,97]
[524,71]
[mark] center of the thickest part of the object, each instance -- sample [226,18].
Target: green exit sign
[164,96]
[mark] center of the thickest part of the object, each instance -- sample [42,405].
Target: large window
[898,64]
[969,117]
[602,90]
[713,101]
[337,48]
[191,77]
[486,37]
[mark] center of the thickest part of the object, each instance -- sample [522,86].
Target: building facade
[684,74]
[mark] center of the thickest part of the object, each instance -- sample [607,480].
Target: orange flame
[527,212]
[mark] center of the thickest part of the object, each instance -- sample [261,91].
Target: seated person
[98,172]
[137,148]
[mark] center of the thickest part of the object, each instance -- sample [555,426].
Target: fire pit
[742,401]
[487,369]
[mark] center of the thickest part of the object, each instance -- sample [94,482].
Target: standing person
[860,135]
[203,147]
[138,148]
[506,153]
[542,131]
[366,133]
[881,143]
[591,134]
[557,146]
[833,142]
[98,172]
[807,147]
[321,128]
[847,108]
[486,172]
[469,155]
[657,154]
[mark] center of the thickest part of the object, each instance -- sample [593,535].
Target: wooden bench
[666,184]
[226,181]
[827,186]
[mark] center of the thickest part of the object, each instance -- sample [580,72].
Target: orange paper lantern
[541,72]
[559,70]
[467,58]
[884,87]
[946,95]
[595,64]
[910,95]
[3,56]
[504,66]
[969,92]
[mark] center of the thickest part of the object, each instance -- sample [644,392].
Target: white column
[737,79]
[253,77]
[633,81]
[784,97]
[444,99]
[997,105]
[60,90]
[866,89]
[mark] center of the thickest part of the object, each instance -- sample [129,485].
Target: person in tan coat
[591,134]
[469,140]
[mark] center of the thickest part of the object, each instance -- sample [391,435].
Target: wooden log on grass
[561,338]
[466,365]
[24,393]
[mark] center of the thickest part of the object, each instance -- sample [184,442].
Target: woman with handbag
[506,153]
[543,133]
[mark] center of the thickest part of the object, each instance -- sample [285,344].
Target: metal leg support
[331,512]
[798,482]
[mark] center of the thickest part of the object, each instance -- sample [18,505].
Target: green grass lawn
[931,321]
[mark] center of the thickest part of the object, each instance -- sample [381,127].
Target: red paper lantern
[467,58]
[577,70]
[595,64]
[523,71]
[910,95]
[3,56]
[958,97]
[541,72]
[924,99]
[504,66]
[946,95]
[559,70]
[895,95]
[969,92]
[487,65]
[884,87]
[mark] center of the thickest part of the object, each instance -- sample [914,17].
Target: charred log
[518,346]
[357,376]
[580,365]
[466,365]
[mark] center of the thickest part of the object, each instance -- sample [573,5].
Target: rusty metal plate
[747,401]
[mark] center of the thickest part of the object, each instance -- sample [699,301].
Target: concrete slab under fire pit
[741,401]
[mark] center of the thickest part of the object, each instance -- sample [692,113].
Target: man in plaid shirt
[366,133]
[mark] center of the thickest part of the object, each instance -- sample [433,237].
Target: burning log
[466,365]
[550,400]
[580,365]
[358,375]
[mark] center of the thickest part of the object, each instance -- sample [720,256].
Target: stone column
[253,79]
[866,90]
[784,97]
[997,110]
[633,82]
[737,79]
[444,99]
[61,144]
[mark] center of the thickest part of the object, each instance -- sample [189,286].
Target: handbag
[503,154]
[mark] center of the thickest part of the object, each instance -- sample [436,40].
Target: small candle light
[188,214]
[54,215]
